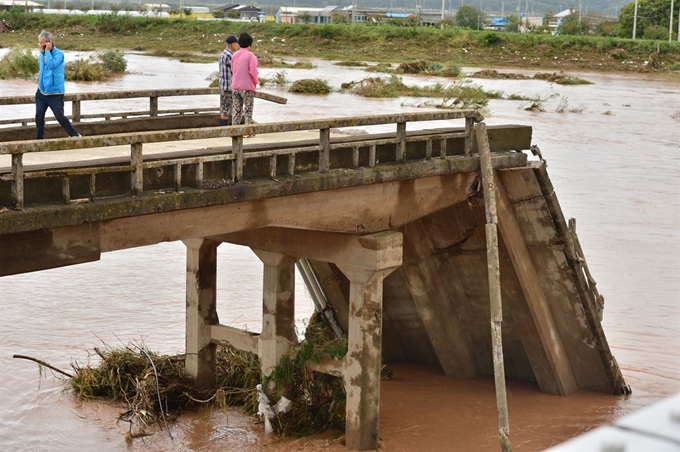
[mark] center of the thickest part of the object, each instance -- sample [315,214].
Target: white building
[9,4]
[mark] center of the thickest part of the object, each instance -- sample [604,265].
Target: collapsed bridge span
[393,226]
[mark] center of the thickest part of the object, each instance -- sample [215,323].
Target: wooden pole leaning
[496,307]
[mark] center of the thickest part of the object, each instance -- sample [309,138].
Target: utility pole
[444,8]
[670,25]
[635,19]
[526,15]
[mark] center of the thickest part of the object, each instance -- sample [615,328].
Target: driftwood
[270,97]
[43,363]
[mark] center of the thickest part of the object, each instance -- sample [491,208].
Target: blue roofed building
[497,23]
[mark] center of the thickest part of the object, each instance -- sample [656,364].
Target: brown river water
[613,159]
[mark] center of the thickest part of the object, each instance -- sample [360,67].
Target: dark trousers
[56,104]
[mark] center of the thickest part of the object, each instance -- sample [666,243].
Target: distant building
[71,12]
[197,9]
[497,24]
[294,14]
[6,5]
[241,12]
[391,15]
[556,20]
[162,7]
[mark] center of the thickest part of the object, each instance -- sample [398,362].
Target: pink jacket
[244,70]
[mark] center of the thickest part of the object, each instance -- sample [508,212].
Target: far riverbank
[358,42]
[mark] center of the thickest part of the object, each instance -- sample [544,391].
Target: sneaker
[77,136]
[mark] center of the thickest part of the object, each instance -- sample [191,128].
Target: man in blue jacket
[50,86]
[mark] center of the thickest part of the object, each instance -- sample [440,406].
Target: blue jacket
[51,76]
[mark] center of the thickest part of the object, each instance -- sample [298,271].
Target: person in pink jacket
[243,81]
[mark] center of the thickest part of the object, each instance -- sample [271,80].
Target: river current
[613,159]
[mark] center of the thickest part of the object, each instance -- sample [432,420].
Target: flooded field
[613,159]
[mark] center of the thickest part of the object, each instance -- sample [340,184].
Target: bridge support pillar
[278,308]
[366,260]
[361,366]
[201,313]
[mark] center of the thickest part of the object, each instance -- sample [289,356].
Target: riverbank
[358,42]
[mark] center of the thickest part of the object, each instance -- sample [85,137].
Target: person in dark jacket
[50,86]
[225,80]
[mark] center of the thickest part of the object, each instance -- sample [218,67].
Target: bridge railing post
[401,141]
[153,105]
[237,149]
[469,124]
[75,111]
[66,189]
[291,164]
[93,187]
[324,149]
[137,174]
[178,177]
[18,181]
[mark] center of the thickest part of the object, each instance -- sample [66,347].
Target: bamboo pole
[493,263]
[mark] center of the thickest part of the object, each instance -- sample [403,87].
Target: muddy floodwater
[613,158]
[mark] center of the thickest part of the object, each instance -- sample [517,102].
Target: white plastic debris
[283,405]
[264,409]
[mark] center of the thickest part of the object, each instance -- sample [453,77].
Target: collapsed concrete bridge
[392,227]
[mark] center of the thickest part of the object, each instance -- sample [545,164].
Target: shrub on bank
[113,61]
[18,63]
[310,86]
[96,67]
